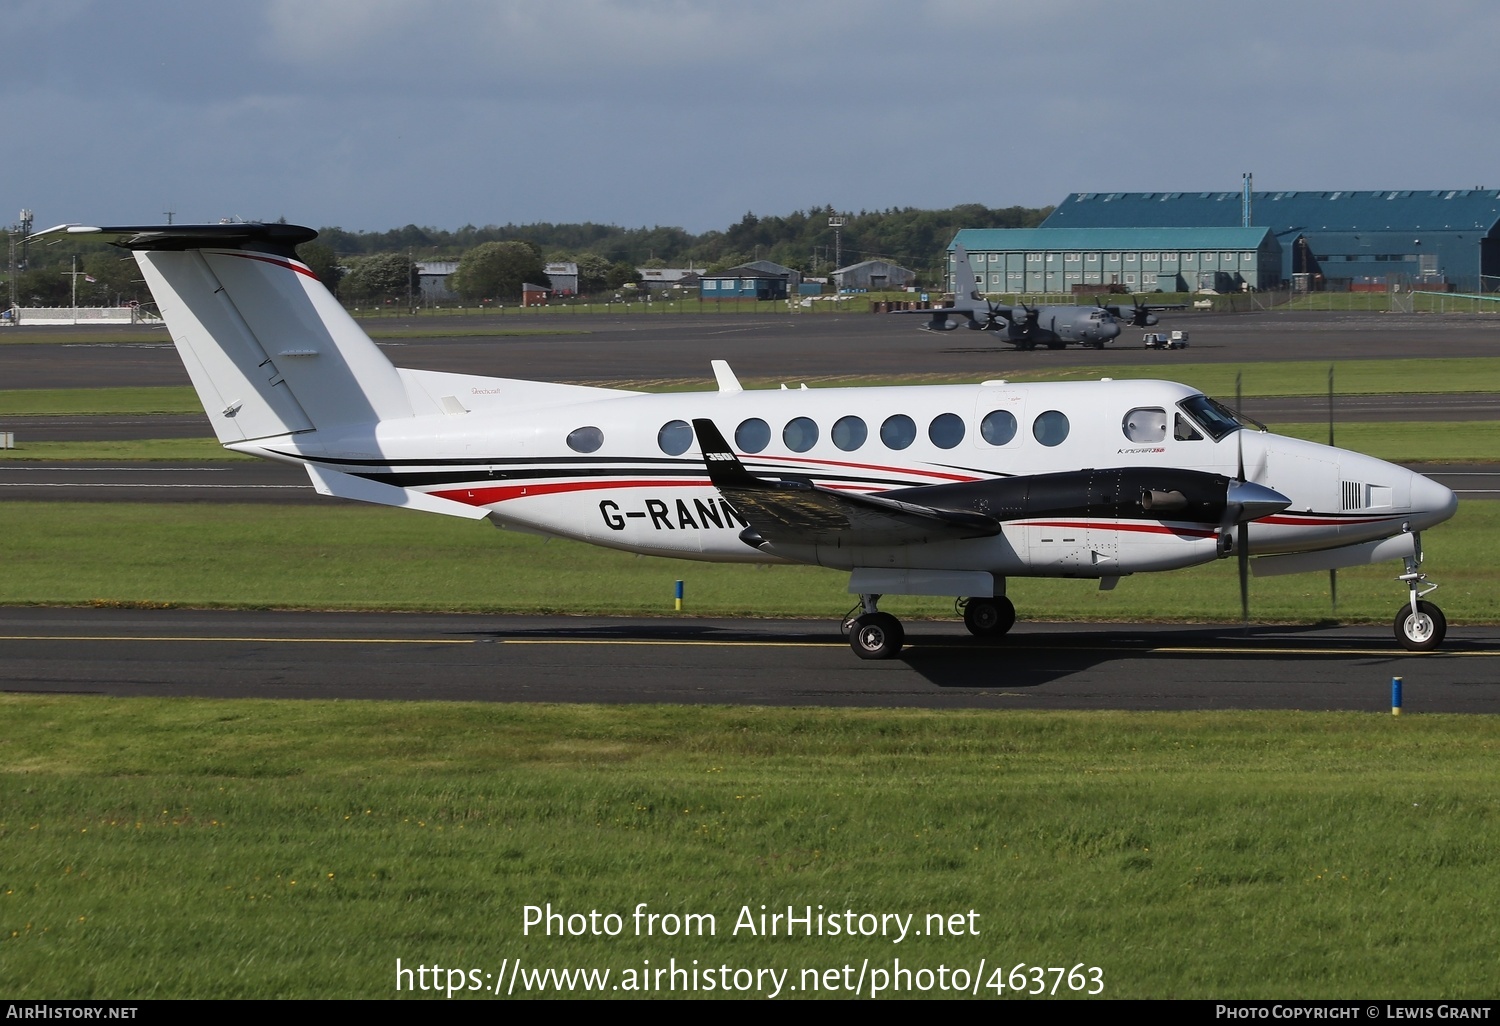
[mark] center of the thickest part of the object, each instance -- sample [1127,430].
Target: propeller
[1242,531]
[1029,315]
[1141,316]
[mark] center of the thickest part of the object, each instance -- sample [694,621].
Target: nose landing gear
[1420,626]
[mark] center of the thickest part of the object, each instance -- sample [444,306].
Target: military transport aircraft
[912,490]
[1027,327]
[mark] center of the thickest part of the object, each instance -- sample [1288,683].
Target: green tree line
[370,268]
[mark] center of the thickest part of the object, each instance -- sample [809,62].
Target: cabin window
[1050,428]
[998,427]
[674,437]
[585,439]
[800,434]
[898,431]
[849,433]
[752,435]
[1145,424]
[946,430]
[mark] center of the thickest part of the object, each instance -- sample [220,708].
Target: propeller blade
[1239,436]
[1242,550]
[1333,587]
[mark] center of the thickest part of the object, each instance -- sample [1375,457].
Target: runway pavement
[609,348]
[222,654]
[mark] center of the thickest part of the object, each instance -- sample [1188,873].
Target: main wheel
[989,617]
[876,636]
[1423,631]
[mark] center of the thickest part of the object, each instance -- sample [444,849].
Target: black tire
[989,617]
[1422,632]
[876,636]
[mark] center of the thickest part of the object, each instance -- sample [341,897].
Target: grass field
[1282,378]
[367,557]
[209,849]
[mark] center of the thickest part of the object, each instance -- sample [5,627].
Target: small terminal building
[743,283]
[1061,260]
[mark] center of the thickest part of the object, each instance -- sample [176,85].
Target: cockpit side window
[1212,416]
[1145,424]
[1183,430]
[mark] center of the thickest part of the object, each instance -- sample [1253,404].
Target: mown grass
[365,557]
[209,849]
[88,402]
[156,449]
[1283,378]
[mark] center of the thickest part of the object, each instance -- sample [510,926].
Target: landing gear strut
[1420,626]
[873,634]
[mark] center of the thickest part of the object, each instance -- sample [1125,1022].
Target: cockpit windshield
[1216,419]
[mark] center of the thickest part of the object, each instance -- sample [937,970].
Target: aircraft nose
[1110,330]
[1431,502]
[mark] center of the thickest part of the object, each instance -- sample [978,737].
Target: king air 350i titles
[920,490]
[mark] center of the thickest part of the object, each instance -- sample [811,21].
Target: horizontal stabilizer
[279,239]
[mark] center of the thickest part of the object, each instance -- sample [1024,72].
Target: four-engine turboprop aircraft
[921,490]
[1027,327]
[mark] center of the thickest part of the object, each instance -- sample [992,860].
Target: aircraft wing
[980,316]
[794,511]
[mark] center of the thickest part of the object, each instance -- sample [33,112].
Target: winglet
[725,377]
[724,467]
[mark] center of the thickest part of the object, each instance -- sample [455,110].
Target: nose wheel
[1420,629]
[1420,625]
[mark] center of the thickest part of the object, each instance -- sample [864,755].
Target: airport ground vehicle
[1164,340]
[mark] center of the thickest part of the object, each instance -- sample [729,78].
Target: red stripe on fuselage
[1102,525]
[487,496]
[1310,520]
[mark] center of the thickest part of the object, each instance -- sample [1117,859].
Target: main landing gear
[1420,626]
[988,617]
[873,634]
[877,635]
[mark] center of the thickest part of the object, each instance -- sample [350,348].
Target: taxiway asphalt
[642,347]
[406,657]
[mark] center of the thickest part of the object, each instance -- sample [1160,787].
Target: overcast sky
[372,114]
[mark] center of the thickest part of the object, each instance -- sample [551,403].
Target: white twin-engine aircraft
[927,490]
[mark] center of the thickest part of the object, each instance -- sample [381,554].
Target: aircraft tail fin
[965,282]
[269,350]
